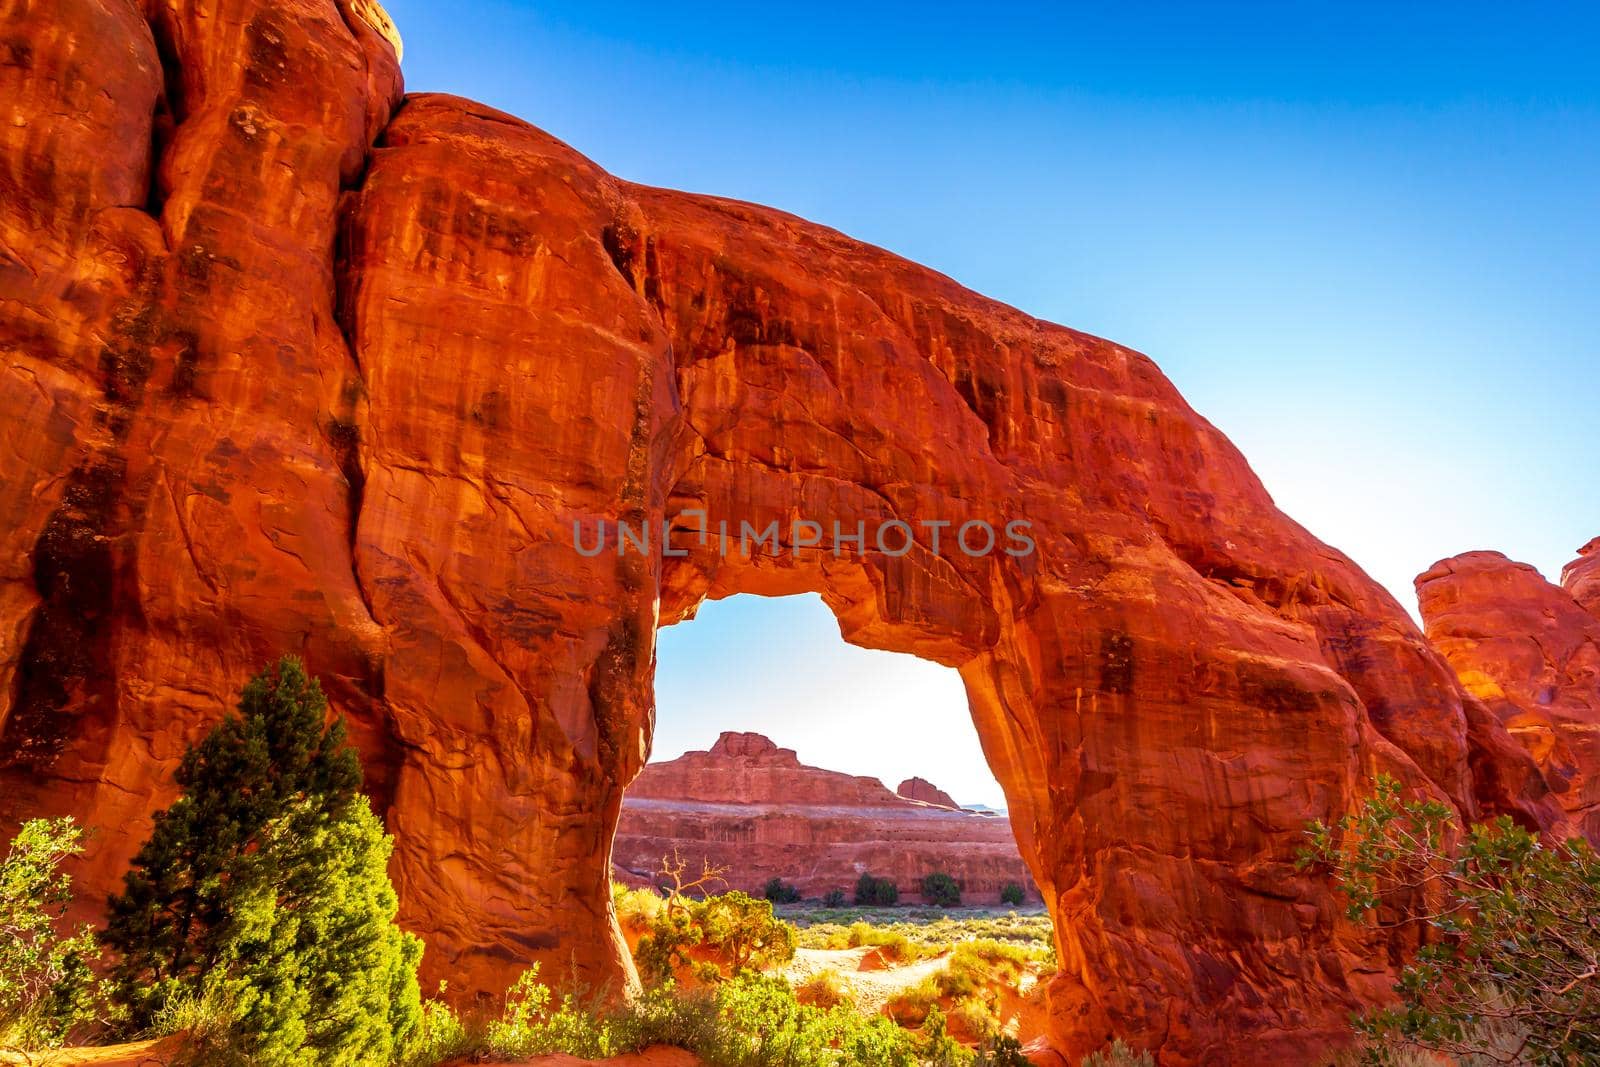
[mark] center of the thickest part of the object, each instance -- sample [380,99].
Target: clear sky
[1363,239]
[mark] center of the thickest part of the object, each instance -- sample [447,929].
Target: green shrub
[736,931]
[780,892]
[834,898]
[46,985]
[825,989]
[1012,893]
[1001,1050]
[1511,928]
[876,892]
[751,1020]
[941,889]
[264,890]
[1118,1054]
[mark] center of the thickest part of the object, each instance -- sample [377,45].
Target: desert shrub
[938,1048]
[744,933]
[1510,928]
[1012,893]
[750,1020]
[969,984]
[834,898]
[1118,1054]
[825,989]
[46,985]
[876,892]
[891,942]
[780,892]
[263,891]
[442,1035]
[941,889]
[635,907]
[1001,1050]
[712,938]
[910,1006]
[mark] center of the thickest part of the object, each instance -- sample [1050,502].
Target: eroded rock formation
[755,810]
[925,791]
[289,364]
[1530,651]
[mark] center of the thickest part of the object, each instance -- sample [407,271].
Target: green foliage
[724,934]
[46,986]
[751,1020]
[834,898]
[1001,1050]
[1013,894]
[312,962]
[970,983]
[442,1036]
[941,889]
[780,892]
[1510,929]
[876,892]
[1118,1054]
[263,894]
[824,989]
[916,940]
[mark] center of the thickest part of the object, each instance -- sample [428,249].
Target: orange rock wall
[290,365]
[1531,652]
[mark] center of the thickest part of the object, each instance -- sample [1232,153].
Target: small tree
[941,889]
[744,933]
[1511,929]
[46,986]
[1012,893]
[780,892]
[876,892]
[834,898]
[263,889]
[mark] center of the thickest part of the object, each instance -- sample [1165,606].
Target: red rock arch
[286,368]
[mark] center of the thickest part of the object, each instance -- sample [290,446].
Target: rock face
[925,791]
[1530,651]
[753,808]
[1581,577]
[288,364]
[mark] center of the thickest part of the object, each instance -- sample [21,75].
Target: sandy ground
[871,988]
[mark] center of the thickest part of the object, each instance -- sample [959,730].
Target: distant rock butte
[290,360]
[1530,650]
[925,791]
[755,809]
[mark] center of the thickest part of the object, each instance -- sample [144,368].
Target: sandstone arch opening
[781,751]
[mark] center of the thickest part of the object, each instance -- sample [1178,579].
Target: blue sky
[1363,239]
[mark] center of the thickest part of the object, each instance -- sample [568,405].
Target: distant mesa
[925,791]
[750,806]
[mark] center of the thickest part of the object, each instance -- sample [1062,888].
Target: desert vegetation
[1507,968]
[876,892]
[256,924]
[941,889]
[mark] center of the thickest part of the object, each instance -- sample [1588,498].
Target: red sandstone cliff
[756,810]
[925,791]
[288,364]
[1530,651]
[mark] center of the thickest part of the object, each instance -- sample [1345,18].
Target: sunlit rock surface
[754,810]
[1531,652]
[288,363]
